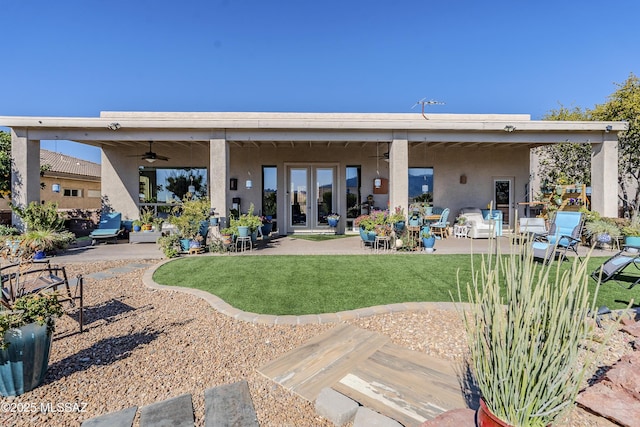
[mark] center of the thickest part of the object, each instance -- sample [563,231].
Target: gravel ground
[142,346]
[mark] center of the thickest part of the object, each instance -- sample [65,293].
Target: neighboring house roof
[63,165]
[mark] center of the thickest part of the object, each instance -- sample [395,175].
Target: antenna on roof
[424,102]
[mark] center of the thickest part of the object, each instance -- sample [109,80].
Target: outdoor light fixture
[248,184]
[55,188]
[425,188]
[114,126]
[377,183]
[608,128]
[192,188]
[509,128]
[150,159]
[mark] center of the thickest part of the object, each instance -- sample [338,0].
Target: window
[166,185]
[269,191]
[420,185]
[68,192]
[352,175]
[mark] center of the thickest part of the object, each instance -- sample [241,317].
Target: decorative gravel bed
[142,346]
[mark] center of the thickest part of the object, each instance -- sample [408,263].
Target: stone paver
[336,407]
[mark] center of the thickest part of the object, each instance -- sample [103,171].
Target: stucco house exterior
[70,182]
[298,167]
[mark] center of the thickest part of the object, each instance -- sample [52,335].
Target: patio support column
[604,176]
[399,171]
[25,172]
[219,175]
[120,183]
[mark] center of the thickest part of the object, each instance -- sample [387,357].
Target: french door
[503,198]
[311,196]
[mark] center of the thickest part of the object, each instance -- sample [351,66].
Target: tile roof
[61,163]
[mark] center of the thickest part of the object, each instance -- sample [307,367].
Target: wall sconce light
[233,184]
[192,188]
[463,179]
[425,188]
[114,126]
[249,184]
[509,128]
[608,128]
[377,183]
[55,188]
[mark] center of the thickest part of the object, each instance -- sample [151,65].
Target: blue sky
[79,57]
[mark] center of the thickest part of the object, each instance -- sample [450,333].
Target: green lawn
[309,284]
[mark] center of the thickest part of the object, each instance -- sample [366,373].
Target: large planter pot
[333,222]
[485,417]
[39,255]
[429,210]
[399,226]
[24,363]
[185,244]
[415,222]
[632,241]
[266,229]
[428,242]
[243,231]
[214,221]
[137,228]
[367,236]
[194,244]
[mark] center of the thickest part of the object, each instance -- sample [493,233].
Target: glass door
[503,198]
[298,188]
[311,196]
[324,179]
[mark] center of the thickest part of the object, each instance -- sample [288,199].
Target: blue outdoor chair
[564,235]
[109,227]
[439,228]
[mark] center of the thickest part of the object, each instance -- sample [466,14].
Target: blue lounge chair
[109,227]
[612,268]
[564,235]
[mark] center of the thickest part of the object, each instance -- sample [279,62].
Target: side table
[460,231]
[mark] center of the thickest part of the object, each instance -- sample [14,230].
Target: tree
[622,105]
[5,164]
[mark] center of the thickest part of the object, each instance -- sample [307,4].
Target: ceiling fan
[150,156]
[384,156]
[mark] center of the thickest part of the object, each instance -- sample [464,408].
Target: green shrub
[525,343]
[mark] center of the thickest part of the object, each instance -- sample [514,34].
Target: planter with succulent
[191,218]
[514,348]
[249,220]
[602,232]
[44,229]
[146,218]
[428,239]
[26,327]
[631,231]
[332,219]
[397,219]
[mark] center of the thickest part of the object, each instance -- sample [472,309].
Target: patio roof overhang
[130,129]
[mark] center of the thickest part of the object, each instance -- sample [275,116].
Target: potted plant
[246,224]
[366,227]
[137,225]
[188,218]
[146,218]
[514,348]
[41,242]
[267,225]
[157,224]
[26,326]
[333,219]
[397,219]
[428,239]
[602,231]
[631,231]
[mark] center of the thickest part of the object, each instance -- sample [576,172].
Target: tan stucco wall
[84,202]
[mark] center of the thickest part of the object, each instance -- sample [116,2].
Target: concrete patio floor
[289,245]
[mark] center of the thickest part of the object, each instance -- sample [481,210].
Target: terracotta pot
[486,419]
